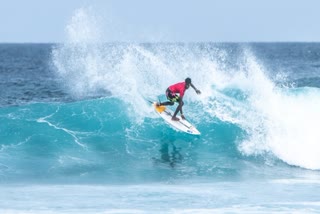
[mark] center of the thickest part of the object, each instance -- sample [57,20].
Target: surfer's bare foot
[175,119]
[182,116]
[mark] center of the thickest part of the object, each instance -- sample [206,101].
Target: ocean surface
[77,134]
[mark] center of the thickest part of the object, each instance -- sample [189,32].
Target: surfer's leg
[179,109]
[182,103]
[168,103]
[176,112]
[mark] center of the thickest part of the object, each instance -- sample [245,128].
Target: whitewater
[77,134]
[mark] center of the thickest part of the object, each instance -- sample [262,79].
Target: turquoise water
[78,136]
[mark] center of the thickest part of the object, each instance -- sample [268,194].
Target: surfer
[173,97]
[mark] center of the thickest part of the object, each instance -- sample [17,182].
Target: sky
[46,21]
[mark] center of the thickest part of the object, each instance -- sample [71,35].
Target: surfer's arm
[197,90]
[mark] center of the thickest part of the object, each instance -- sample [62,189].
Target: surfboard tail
[159,109]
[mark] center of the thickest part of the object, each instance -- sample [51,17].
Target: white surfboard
[181,125]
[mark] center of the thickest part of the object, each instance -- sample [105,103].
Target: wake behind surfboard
[181,125]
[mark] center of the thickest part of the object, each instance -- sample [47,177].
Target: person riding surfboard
[175,93]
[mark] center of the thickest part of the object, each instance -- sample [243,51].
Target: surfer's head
[188,82]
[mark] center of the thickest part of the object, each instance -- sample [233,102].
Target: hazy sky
[165,20]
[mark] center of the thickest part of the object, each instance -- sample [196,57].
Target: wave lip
[287,127]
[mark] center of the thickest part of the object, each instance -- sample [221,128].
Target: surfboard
[181,125]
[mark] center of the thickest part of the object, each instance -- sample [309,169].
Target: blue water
[78,136]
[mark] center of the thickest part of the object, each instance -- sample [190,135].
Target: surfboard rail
[180,125]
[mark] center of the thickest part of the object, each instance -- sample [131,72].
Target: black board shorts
[172,97]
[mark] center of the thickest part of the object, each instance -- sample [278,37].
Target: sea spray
[236,88]
[279,121]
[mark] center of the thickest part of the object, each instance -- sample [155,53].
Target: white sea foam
[283,121]
[276,119]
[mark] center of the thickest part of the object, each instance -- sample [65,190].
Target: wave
[246,116]
[101,140]
[88,140]
[236,89]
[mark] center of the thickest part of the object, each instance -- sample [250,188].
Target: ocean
[77,134]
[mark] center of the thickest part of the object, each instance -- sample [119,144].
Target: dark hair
[188,80]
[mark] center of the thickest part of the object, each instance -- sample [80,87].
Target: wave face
[82,116]
[264,109]
[101,140]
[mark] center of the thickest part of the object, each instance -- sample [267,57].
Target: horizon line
[157,42]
